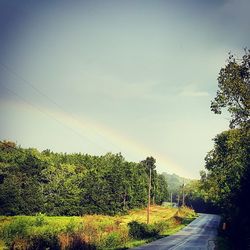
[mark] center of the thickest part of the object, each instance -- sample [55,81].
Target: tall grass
[90,231]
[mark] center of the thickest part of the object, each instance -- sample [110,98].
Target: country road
[199,234]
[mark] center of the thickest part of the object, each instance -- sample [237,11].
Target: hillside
[175,181]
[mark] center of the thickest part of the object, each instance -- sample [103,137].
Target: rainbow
[87,128]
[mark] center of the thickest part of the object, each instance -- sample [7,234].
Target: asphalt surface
[199,234]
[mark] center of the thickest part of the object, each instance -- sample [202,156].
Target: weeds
[91,231]
[17,231]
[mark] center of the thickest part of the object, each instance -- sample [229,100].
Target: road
[199,234]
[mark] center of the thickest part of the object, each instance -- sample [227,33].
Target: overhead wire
[19,77]
[42,111]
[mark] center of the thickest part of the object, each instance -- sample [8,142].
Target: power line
[19,77]
[46,113]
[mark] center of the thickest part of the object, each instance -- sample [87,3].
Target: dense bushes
[142,230]
[45,240]
[17,230]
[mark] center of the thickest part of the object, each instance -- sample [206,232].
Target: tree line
[224,185]
[73,184]
[226,181]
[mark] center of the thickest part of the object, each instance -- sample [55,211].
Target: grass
[100,231]
[156,213]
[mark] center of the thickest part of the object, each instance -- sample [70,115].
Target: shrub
[161,226]
[141,230]
[72,226]
[152,231]
[40,220]
[17,230]
[112,240]
[74,242]
[137,230]
[186,212]
[45,240]
[30,234]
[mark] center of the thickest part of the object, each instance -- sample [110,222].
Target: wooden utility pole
[183,195]
[149,165]
[149,189]
[154,195]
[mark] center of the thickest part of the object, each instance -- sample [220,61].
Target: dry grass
[103,231]
[157,213]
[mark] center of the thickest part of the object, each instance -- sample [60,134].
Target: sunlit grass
[98,229]
[156,213]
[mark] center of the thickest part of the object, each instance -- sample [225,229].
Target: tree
[20,185]
[234,90]
[227,181]
[161,191]
[71,184]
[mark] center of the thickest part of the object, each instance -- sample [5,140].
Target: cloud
[191,91]
[194,93]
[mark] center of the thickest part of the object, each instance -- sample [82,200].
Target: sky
[135,77]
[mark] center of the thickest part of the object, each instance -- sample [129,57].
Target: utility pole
[149,189]
[183,195]
[154,195]
[149,165]
[171,199]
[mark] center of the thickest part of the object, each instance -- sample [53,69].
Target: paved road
[199,234]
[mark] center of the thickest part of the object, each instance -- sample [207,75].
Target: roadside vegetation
[77,201]
[226,181]
[92,231]
[224,185]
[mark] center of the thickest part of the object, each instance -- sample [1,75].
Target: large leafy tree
[227,181]
[226,165]
[20,185]
[234,90]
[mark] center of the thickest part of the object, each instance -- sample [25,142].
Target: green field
[91,231]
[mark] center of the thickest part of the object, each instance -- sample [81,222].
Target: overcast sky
[135,77]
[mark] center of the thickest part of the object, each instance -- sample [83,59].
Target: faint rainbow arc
[110,135]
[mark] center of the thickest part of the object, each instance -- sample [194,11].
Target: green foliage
[72,184]
[226,165]
[87,232]
[137,230]
[162,226]
[17,229]
[112,240]
[160,189]
[40,220]
[141,230]
[226,182]
[72,226]
[175,185]
[234,90]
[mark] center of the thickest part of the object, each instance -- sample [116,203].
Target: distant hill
[175,181]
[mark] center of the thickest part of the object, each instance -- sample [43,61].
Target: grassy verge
[92,231]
